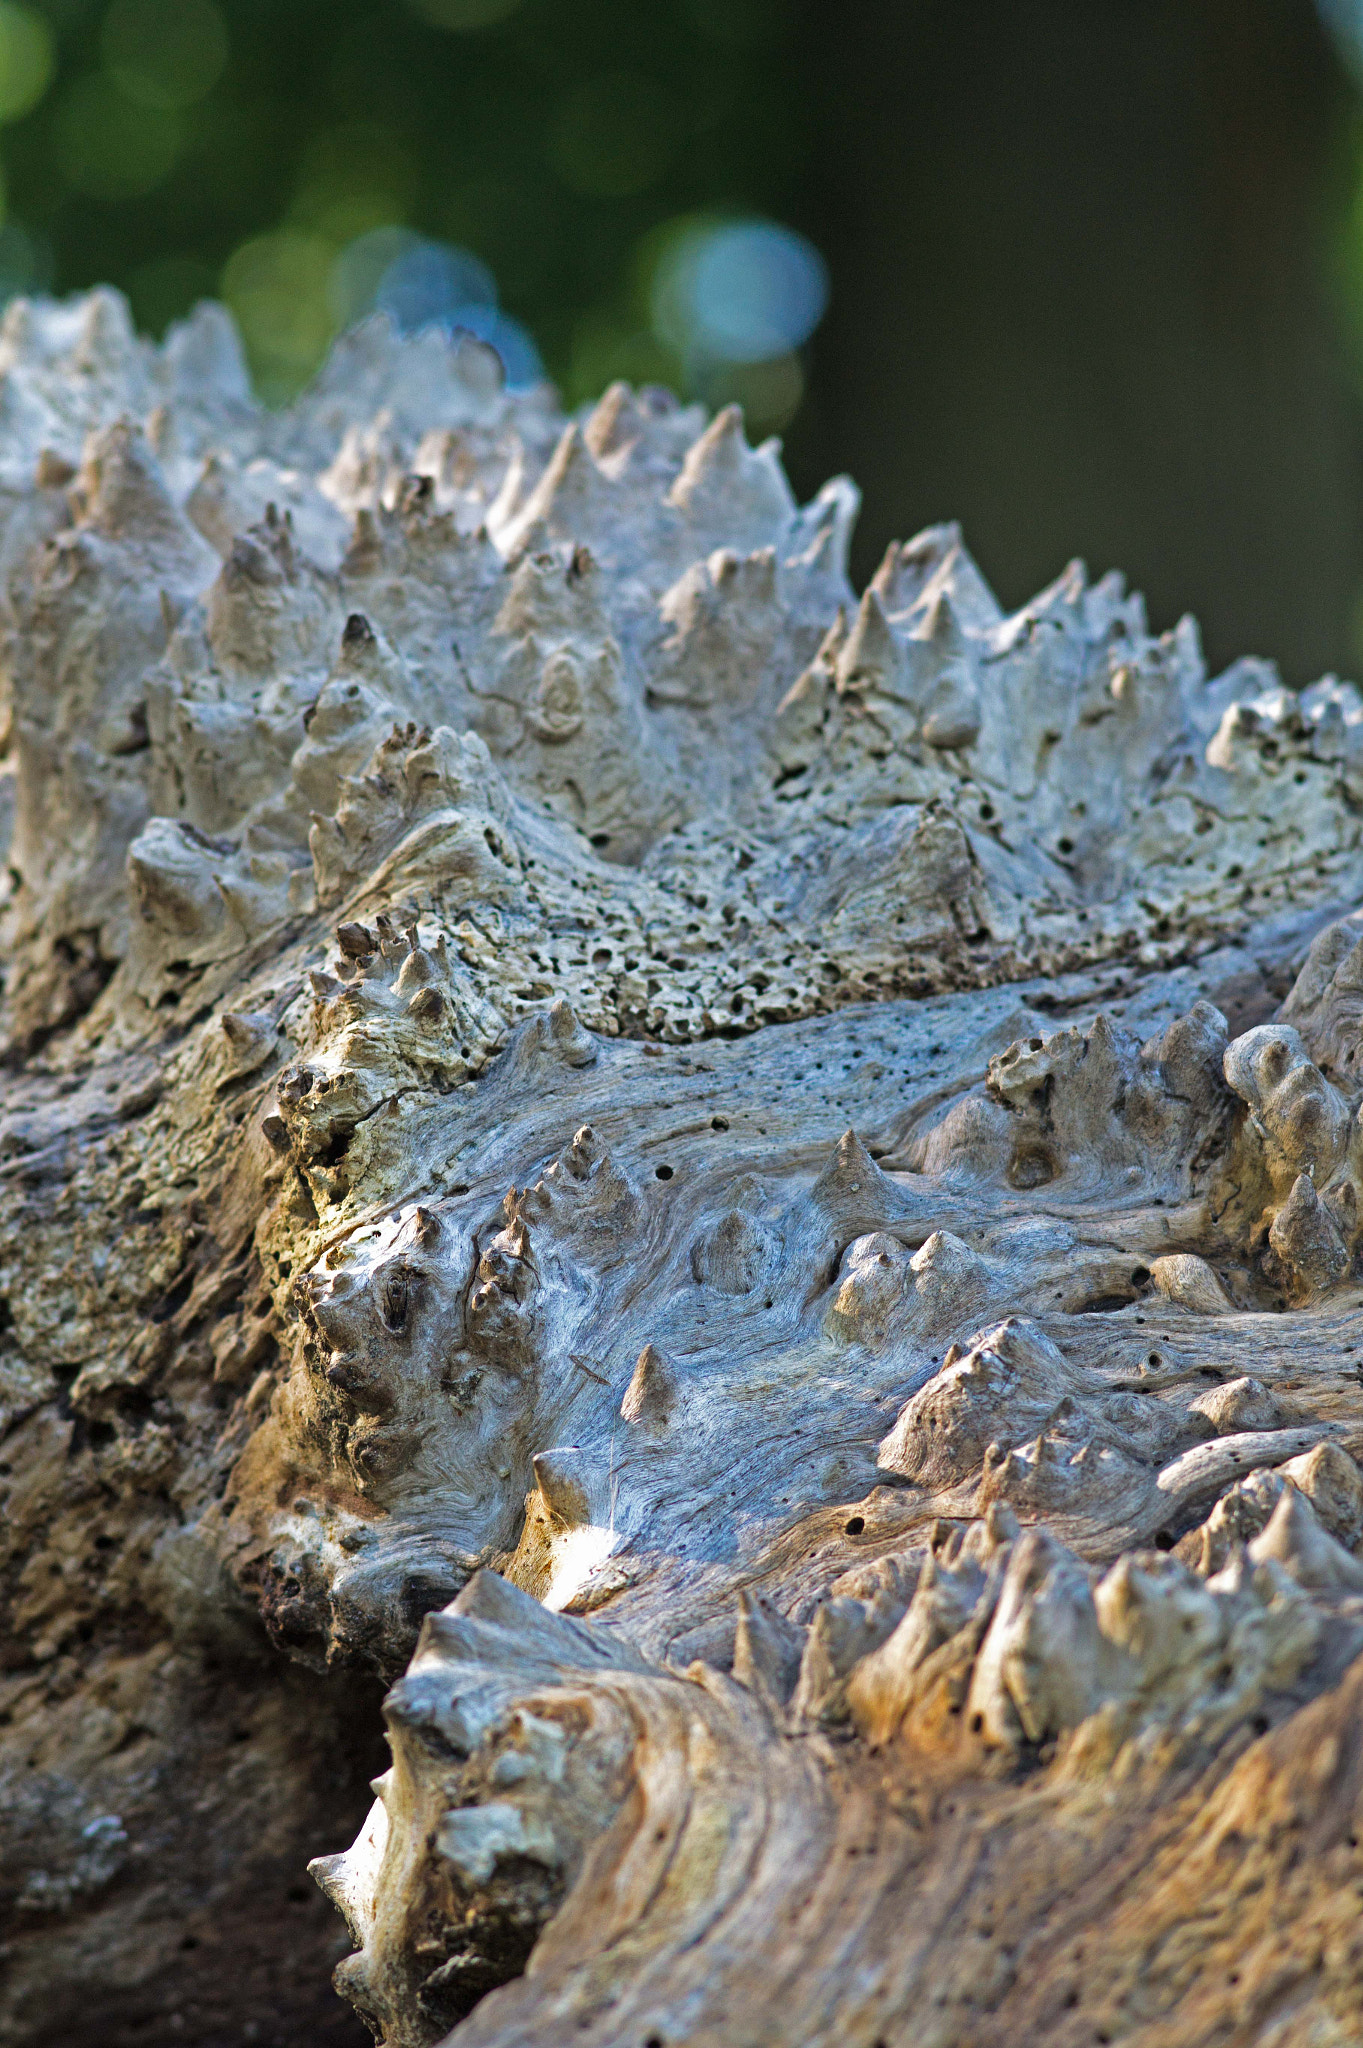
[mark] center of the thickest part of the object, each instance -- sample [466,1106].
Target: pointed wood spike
[1295,1539]
[570,499]
[610,419]
[574,1046]
[939,625]
[724,480]
[871,656]
[767,1650]
[561,1477]
[852,1176]
[653,1391]
[427,1005]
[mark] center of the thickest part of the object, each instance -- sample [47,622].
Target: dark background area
[1096,266]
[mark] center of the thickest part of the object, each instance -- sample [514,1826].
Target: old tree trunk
[733,1210]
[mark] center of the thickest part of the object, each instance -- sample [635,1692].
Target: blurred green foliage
[184,147]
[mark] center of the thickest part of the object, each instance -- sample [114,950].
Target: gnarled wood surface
[747,1197]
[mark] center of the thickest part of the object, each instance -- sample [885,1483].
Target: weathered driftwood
[749,1197]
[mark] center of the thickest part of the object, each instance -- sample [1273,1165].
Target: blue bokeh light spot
[740,291]
[421,283]
[430,283]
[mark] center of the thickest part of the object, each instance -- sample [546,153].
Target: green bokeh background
[1096,265]
[193,146]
